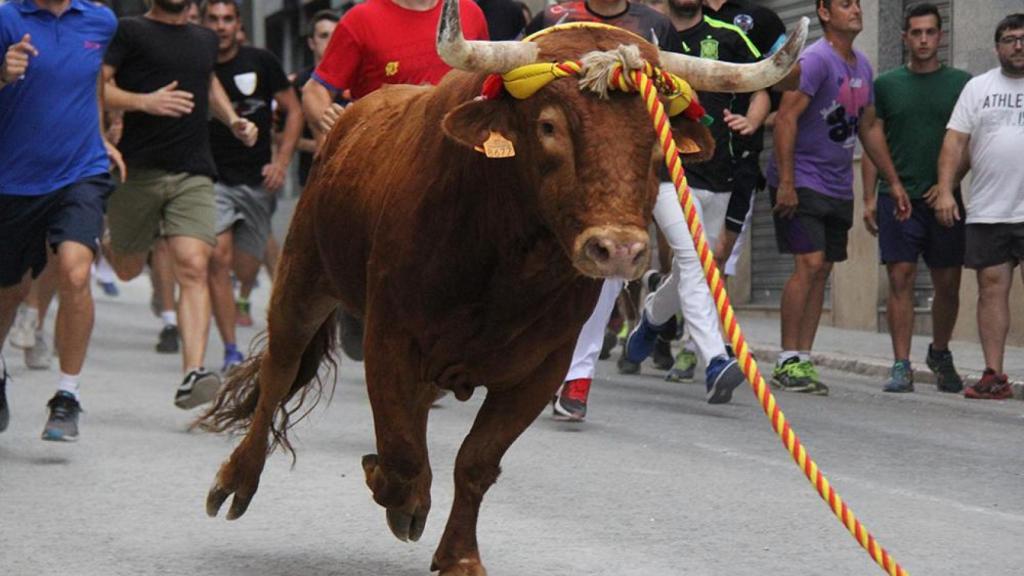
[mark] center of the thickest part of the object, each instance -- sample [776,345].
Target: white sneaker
[22,334]
[38,357]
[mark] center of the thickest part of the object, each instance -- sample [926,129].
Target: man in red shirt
[382,42]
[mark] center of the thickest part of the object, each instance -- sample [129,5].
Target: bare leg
[40,294]
[76,314]
[221,293]
[10,298]
[191,261]
[802,300]
[161,269]
[505,414]
[994,312]
[126,266]
[271,255]
[900,307]
[246,267]
[945,305]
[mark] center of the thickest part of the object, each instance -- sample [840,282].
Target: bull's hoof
[406,509]
[228,482]
[406,526]
[464,567]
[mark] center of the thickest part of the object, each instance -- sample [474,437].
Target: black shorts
[747,180]
[29,223]
[994,244]
[920,235]
[821,224]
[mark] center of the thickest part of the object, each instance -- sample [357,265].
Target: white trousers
[737,248]
[588,344]
[685,288]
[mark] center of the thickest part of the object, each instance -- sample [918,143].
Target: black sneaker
[5,412]
[168,342]
[198,388]
[940,362]
[662,357]
[62,426]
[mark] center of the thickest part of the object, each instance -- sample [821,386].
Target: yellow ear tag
[497,146]
[687,146]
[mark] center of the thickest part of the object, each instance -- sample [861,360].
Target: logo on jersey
[709,48]
[744,22]
[391,69]
[246,83]
[90,45]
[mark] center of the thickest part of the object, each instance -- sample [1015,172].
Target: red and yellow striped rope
[764,395]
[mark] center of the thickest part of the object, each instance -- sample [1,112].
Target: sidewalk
[870,353]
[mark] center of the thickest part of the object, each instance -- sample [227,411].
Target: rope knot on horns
[610,70]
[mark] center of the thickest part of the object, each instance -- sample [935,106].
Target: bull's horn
[712,76]
[476,55]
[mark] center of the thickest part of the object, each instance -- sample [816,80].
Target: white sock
[786,355]
[170,317]
[32,315]
[805,356]
[69,384]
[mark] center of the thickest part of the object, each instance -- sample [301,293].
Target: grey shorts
[246,212]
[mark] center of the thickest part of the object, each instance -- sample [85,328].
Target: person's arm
[877,149]
[274,173]
[869,176]
[319,108]
[112,152]
[758,109]
[221,109]
[792,106]
[953,164]
[167,101]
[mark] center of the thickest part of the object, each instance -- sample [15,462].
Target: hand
[168,101]
[245,131]
[330,117]
[116,161]
[902,200]
[871,214]
[273,177]
[786,201]
[739,124]
[947,212]
[16,60]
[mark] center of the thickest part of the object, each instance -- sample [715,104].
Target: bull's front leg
[399,474]
[504,415]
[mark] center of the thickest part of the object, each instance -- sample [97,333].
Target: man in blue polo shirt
[53,190]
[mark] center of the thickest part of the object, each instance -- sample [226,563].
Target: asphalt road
[655,483]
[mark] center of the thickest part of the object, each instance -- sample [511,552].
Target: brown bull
[468,272]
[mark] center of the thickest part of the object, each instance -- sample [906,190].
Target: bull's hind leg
[505,414]
[399,474]
[298,330]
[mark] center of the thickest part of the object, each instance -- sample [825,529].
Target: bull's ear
[475,123]
[693,139]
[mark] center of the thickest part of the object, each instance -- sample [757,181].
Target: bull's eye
[547,128]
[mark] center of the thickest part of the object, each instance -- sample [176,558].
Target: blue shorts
[920,235]
[29,223]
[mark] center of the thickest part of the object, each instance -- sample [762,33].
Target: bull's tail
[236,402]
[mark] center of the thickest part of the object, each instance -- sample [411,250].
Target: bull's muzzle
[612,252]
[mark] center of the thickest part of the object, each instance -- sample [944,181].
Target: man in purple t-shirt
[811,178]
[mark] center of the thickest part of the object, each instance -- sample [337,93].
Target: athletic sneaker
[901,377]
[38,357]
[792,376]
[662,356]
[818,388]
[168,340]
[684,367]
[232,357]
[722,376]
[642,339]
[62,425]
[5,411]
[243,312]
[570,402]
[940,362]
[992,386]
[23,331]
[109,288]
[199,387]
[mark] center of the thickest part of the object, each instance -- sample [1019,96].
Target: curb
[874,367]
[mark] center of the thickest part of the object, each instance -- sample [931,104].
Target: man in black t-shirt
[159,70]
[505,18]
[320,29]
[249,178]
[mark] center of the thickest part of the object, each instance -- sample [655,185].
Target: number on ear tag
[497,146]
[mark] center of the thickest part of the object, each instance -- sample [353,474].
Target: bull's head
[592,161]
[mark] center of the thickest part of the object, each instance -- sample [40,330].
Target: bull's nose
[613,252]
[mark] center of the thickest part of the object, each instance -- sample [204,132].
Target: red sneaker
[571,400]
[992,386]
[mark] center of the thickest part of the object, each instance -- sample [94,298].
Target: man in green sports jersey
[914,103]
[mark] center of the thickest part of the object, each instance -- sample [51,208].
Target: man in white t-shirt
[986,134]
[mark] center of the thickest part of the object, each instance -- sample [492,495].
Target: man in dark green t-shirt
[914,103]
